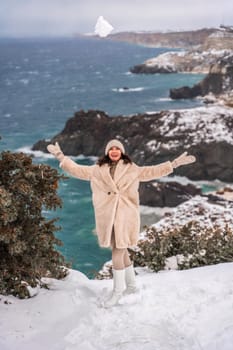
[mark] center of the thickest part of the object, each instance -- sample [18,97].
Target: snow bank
[174,310]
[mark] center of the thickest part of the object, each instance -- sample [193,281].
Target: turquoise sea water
[44,81]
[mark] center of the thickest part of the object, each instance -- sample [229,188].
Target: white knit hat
[114,143]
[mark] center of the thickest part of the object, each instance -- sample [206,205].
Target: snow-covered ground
[173,310]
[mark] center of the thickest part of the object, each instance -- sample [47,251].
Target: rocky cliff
[219,40]
[181,62]
[218,81]
[199,60]
[183,39]
[214,58]
[166,194]
[152,138]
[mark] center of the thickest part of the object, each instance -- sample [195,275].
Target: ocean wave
[40,154]
[164,99]
[33,72]
[72,201]
[37,154]
[8,82]
[146,210]
[126,89]
[81,157]
[150,215]
[199,183]
[24,81]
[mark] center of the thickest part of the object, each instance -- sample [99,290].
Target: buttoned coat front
[116,201]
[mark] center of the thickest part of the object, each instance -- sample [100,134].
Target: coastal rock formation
[216,46]
[172,193]
[181,39]
[182,62]
[218,81]
[214,58]
[219,40]
[166,194]
[152,138]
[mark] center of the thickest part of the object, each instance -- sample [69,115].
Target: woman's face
[114,154]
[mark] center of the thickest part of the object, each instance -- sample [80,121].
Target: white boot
[130,280]
[118,288]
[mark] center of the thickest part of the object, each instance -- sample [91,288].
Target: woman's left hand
[183,159]
[56,151]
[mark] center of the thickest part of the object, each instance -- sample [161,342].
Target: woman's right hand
[56,151]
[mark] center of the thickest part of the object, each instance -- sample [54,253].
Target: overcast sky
[66,17]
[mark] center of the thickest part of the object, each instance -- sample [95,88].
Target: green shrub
[191,244]
[27,241]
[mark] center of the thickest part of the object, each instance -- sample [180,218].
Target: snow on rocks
[183,61]
[199,209]
[205,132]
[208,124]
[164,61]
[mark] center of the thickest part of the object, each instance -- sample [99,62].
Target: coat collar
[121,169]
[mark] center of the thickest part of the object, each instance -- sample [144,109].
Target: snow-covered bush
[191,245]
[27,241]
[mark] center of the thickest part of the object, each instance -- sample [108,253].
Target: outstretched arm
[148,173]
[83,172]
[152,172]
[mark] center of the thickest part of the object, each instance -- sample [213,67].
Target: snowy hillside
[174,310]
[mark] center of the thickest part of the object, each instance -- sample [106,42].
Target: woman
[114,183]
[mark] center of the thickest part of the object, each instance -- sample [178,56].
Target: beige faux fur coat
[116,202]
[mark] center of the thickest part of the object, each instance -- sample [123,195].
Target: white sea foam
[82,157]
[8,82]
[24,81]
[185,181]
[40,154]
[146,210]
[37,154]
[164,99]
[151,215]
[33,72]
[126,89]
[47,75]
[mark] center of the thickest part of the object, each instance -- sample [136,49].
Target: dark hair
[106,160]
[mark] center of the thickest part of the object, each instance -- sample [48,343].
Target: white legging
[120,257]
